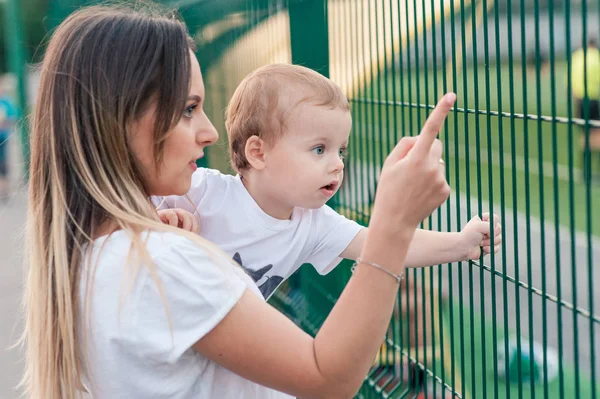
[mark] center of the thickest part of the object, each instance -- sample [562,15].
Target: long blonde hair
[103,68]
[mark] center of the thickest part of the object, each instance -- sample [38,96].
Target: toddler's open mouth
[330,188]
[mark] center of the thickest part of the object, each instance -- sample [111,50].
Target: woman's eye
[189,110]
[319,150]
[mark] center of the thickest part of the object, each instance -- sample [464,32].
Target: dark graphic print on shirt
[267,287]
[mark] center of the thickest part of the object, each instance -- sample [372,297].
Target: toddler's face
[305,167]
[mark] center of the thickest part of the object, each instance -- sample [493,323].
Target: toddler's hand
[179,218]
[475,236]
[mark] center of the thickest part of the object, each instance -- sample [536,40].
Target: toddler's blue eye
[319,150]
[342,153]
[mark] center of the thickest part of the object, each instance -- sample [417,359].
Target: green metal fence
[514,144]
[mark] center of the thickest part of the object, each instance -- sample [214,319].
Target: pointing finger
[433,125]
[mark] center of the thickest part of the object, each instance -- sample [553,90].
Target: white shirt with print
[132,349]
[269,249]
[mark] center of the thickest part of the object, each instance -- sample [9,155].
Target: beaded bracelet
[397,277]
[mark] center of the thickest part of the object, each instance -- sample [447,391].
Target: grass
[481,372]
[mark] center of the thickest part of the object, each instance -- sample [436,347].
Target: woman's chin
[181,190]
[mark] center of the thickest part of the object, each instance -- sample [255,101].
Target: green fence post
[309,34]
[17,64]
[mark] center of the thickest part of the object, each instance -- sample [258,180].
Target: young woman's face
[184,145]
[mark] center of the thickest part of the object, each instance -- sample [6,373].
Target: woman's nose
[207,134]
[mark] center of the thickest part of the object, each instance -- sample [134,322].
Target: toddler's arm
[434,247]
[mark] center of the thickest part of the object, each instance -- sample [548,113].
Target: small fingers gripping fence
[523,142]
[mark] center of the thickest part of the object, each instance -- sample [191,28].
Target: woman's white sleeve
[199,290]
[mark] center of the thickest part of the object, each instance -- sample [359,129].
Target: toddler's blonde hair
[262,102]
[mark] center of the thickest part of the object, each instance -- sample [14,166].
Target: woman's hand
[413,182]
[179,218]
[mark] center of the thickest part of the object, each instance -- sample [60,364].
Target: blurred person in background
[585,89]
[8,118]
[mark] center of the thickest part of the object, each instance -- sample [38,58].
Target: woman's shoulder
[161,241]
[195,286]
[172,256]
[156,242]
[164,249]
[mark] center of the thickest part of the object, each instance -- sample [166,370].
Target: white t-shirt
[269,249]
[131,350]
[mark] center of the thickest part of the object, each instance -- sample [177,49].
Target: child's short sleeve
[199,289]
[201,180]
[333,233]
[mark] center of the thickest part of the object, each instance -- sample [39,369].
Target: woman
[122,305]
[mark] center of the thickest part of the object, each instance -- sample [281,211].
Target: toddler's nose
[337,165]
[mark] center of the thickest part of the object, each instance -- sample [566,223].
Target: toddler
[288,129]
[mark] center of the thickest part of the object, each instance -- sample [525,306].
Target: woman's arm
[259,343]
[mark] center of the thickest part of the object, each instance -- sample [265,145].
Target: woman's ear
[255,152]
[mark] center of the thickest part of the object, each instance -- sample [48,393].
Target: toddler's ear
[255,152]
